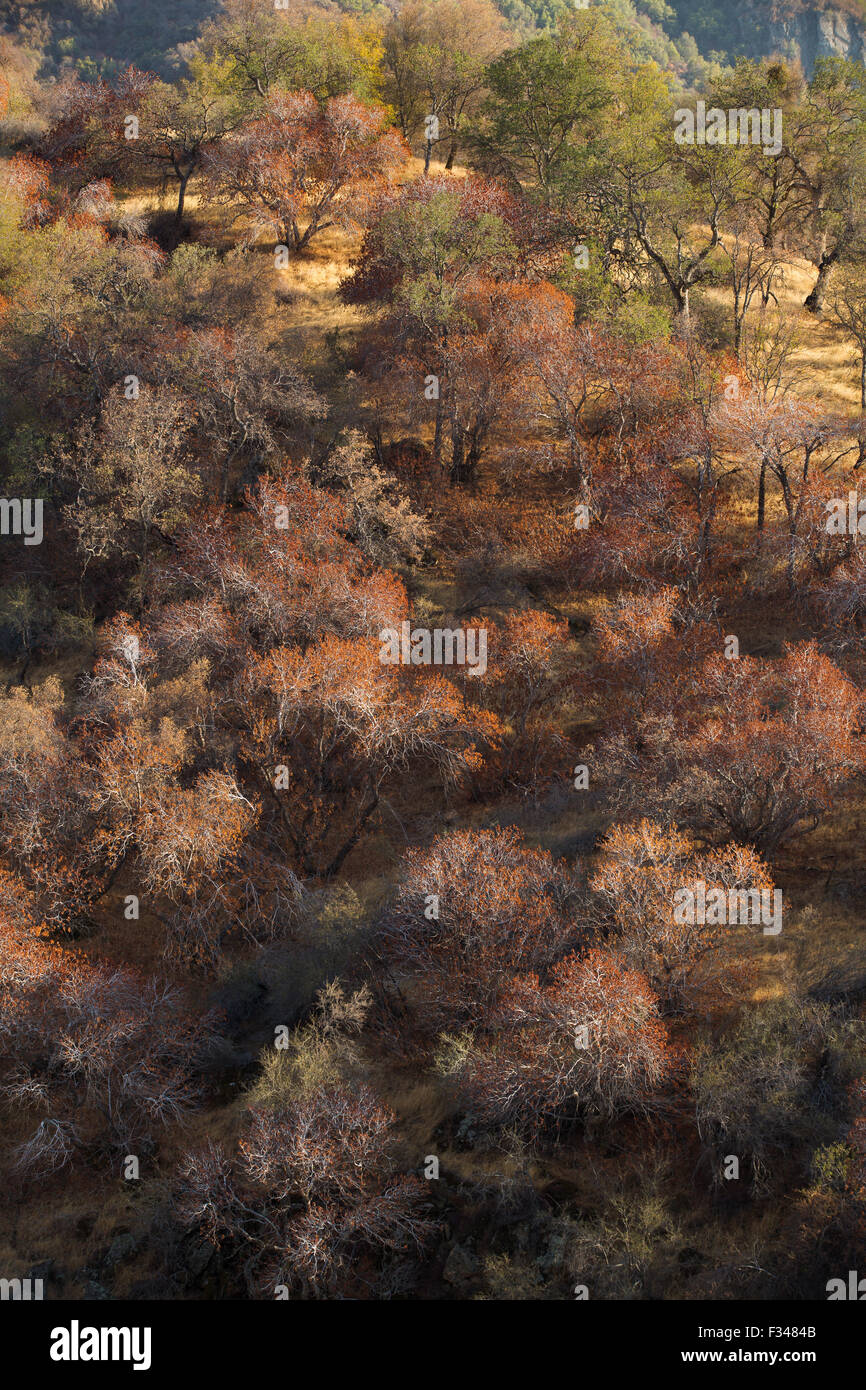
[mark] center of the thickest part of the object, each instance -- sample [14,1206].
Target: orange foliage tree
[97,1059]
[756,753]
[529,679]
[472,911]
[303,167]
[344,724]
[589,1041]
[691,965]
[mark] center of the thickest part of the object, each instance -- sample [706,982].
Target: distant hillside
[101,36]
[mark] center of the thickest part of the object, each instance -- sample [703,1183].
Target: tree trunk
[348,845]
[437,434]
[181,197]
[472,460]
[762,496]
[458,451]
[814,302]
[378,445]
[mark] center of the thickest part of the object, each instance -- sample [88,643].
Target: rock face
[812,34]
[801,30]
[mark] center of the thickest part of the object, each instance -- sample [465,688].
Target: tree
[282,572]
[782,438]
[754,268]
[190,845]
[21,59]
[301,168]
[639,650]
[177,125]
[531,676]
[539,127]
[253,49]
[758,753]
[590,1041]
[825,147]
[563,363]
[243,397]
[472,912]
[162,805]
[44,795]
[676,197]
[435,53]
[388,530]
[87,139]
[428,239]
[706,382]
[105,1056]
[77,327]
[93,135]
[129,475]
[692,966]
[288,612]
[442,255]
[479,365]
[311,1196]
[644,449]
[45,203]
[344,724]
[756,1089]
[774,200]
[841,599]
[848,311]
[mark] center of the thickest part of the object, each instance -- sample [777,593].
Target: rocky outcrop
[811,34]
[795,30]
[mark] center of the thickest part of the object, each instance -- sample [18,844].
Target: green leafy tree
[435,53]
[539,126]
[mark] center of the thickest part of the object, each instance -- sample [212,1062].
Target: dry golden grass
[824,366]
